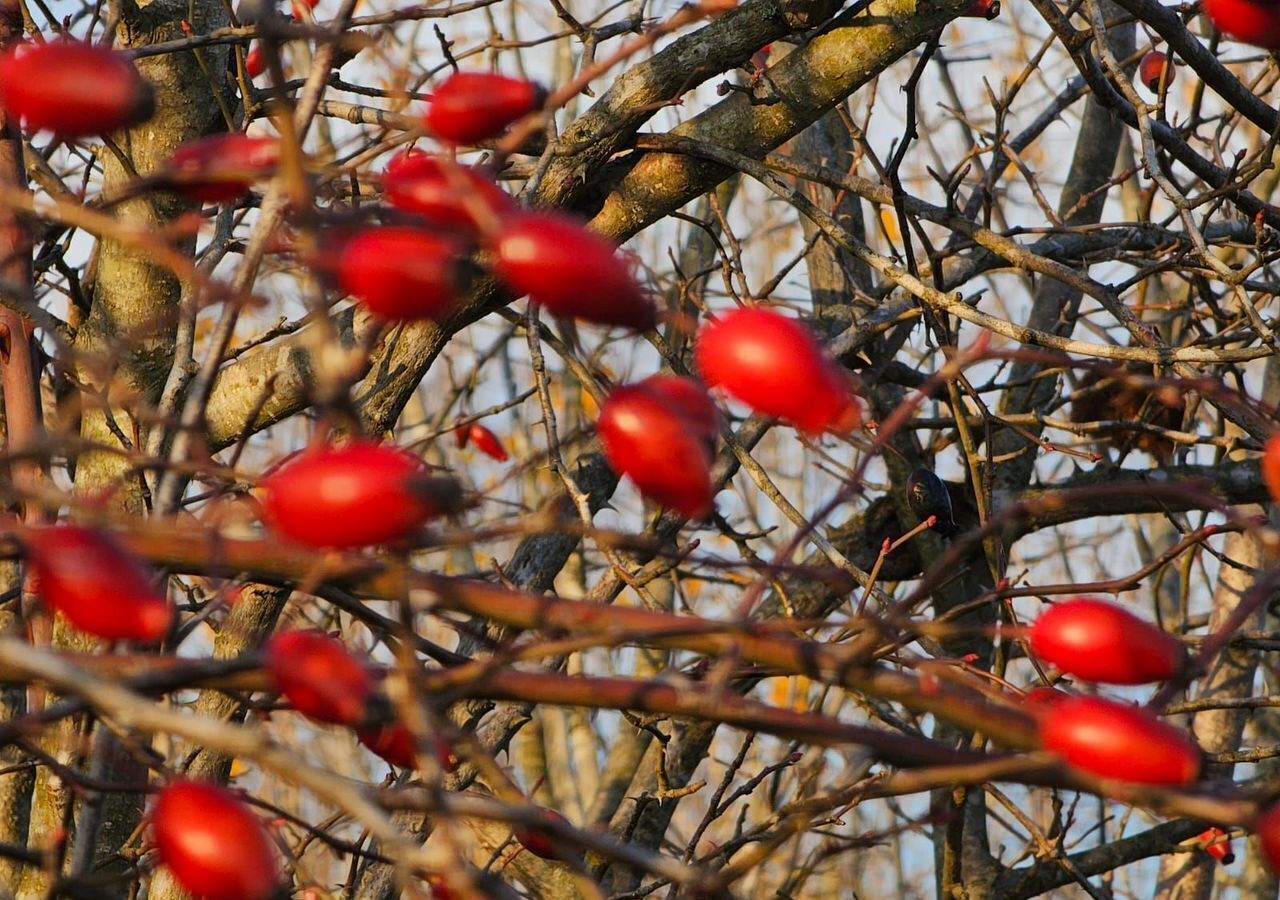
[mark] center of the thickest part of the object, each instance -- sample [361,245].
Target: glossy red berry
[471,106]
[395,744]
[487,442]
[570,270]
[541,843]
[1254,22]
[661,445]
[357,495]
[459,197]
[97,585]
[1267,828]
[1271,467]
[776,366]
[255,62]
[1116,740]
[319,677]
[72,89]
[213,843]
[1216,843]
[1100,641]
[1154,67]
[401,273]
[221,168]
[982,9]
[690,400]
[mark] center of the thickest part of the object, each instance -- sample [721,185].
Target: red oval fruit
[1271,467]
[1116,740]
[540,843]
[1103,642]
[570,270]
[660,446]
[72,89]
[396,745]
[690,400]
[982,9]
[487,442]
[1041,700]
[418,182]
[1254,22]
[357,495]
[401,273]
[255,62]
[213,844]
[222,167]
[319,677]
[777,367]
[1153,68]
[97,585]
[1267,828]
[1216,843]
[471,106]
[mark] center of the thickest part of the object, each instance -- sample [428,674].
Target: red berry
[213,843]
[982,9]
[401,273]
[660,445]
[777,367]
[1116,740]
[1153,68]
[255,62]
[73,90]
[1254,22]
[1267,828]
[690,400]
[471,106]
[221,168]
[1271,467]
[396,745]
[540,843]
[570,270]
[1215,843]
[319,677]
[357,495]
[1043,699]
[487,442]
[1100,641]
[462,435]
[417,182]
[96,584]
